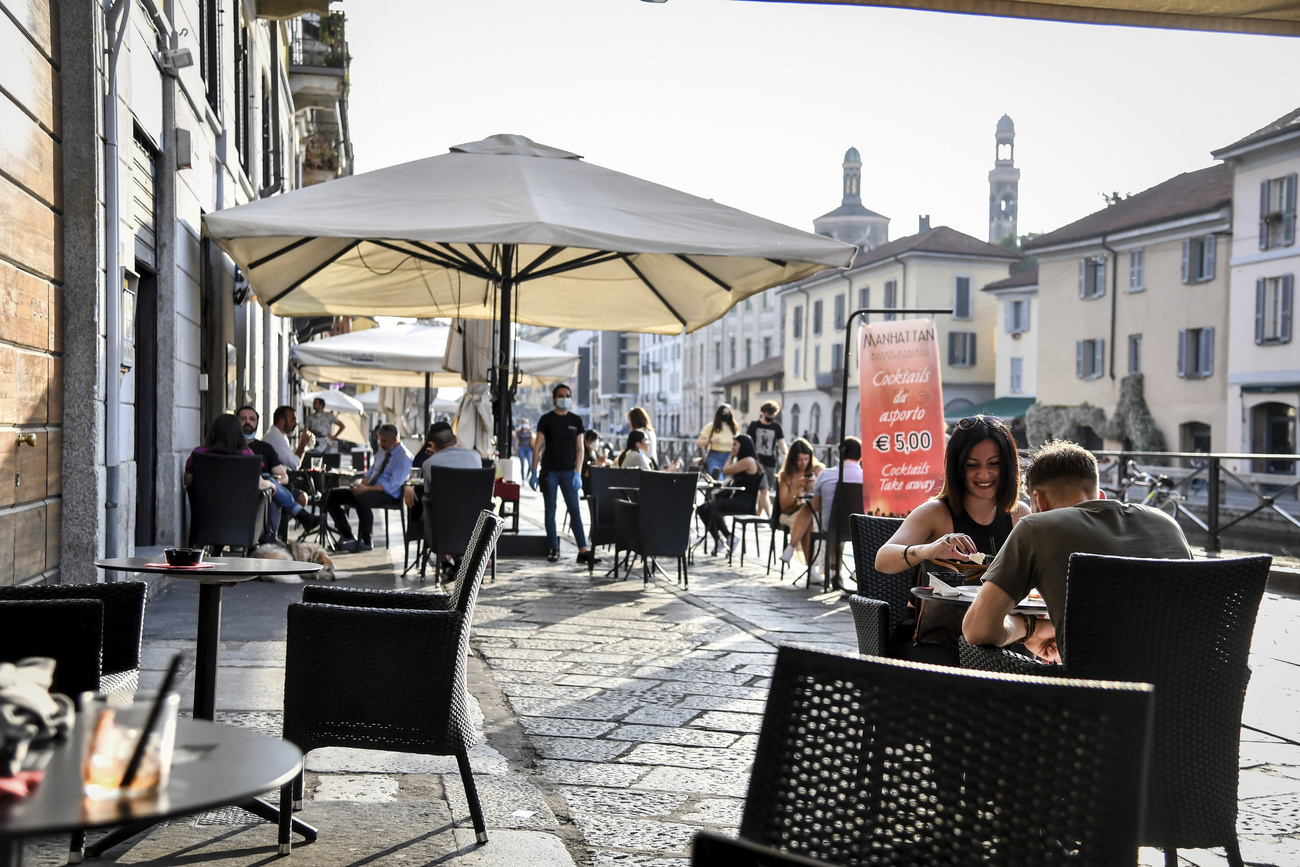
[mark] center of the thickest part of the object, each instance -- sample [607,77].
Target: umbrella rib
[433,257]
[637,271]
[486,260]
[704,272]
[314,271]
[598,258]
[543,258]
[269,257]
[466,264]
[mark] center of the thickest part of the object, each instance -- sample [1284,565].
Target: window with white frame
[864,297]
[1135,353]
[1018,316]
[961,298]
[837,356]
[1089,358]
[749,351]
[1277,212]
[817,360]
[731,354]
[961,348]
[839,312]
[891,298]
[796,361]
[1092,276]
[1017,385]
[767,347]
[798,321]
[1195,353]
[1198,259]
[817,317]
[717,355]
[1136,262]
[1273,305]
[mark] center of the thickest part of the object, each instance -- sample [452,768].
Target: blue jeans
[283,499]
[525,460]
[715,461]
[551,480]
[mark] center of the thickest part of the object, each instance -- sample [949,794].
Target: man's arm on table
[989,621]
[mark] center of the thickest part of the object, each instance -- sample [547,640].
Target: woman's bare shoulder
[1021,510]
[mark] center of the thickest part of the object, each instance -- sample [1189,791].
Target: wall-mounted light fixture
[173,60]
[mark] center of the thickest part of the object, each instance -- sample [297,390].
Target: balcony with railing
[318,78]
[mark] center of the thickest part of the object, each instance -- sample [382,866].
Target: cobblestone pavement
[617,721]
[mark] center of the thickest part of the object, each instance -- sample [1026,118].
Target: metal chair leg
[471,796]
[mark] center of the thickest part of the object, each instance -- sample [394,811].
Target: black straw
[133,766]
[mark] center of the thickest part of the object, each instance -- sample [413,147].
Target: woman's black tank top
[989,538]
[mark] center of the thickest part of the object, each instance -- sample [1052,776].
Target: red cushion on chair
[505,490]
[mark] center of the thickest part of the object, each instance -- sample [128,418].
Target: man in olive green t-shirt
[1069,517]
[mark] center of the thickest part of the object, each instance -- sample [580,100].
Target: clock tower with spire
[1004,183]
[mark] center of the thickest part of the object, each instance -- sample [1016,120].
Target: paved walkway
[618,721]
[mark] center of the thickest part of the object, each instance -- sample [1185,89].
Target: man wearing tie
[382,486]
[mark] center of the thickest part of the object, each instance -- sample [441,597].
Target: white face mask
[563,402]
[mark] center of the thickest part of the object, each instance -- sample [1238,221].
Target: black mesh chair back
[714,850]
[658,524]
[69,631]
[385,671]
[846,502]
[116,642]
[869,534]
[871,623]
[358,459]
[872,761]
[225,506]
[331,460]
[453,498]
[600,500]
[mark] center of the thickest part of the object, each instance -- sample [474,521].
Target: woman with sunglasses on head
[974,511]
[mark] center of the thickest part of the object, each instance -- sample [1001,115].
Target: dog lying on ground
[304,551]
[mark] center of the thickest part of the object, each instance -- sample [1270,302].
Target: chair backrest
[600,480]
[123,606]
[666,502]
[847,503]
[869,533]
[69,631]
[871,623]
[453,498]
[331,460]
[887,762]
[224,500]
[1184,626]
[714,850]
[478,554]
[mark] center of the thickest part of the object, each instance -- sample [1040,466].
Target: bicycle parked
[1159,492]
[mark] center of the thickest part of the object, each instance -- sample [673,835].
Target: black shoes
[553,555]
[308,521]
[353,546]
[588,558]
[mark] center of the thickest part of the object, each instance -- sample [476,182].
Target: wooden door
[31,292]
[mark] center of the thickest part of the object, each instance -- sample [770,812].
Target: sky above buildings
[753,104]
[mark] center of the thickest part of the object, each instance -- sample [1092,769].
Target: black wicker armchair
[226,508]
[871,761]
[600,506]
[714,850]
[870,533]
[382,676]
[453,496]
[1184,626]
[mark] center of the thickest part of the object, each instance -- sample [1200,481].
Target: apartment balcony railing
[318,42]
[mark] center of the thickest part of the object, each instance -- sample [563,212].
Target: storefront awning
[1005,408]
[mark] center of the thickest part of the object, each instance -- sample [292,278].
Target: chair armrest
[998,659]
[359,598]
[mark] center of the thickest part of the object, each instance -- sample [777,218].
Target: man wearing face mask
[558,448]
[273,469]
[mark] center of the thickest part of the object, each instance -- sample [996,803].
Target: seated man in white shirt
[823,500]
[284,421]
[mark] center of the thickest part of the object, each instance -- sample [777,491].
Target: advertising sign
[902,415]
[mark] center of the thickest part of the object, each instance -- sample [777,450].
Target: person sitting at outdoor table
[283,498]
[382,486]
[975,511]
[634,457]
[743,474]
[594,455]
[798,476]
[716,438]
[284,422]
[823,501]
[639,420]
[1070,516]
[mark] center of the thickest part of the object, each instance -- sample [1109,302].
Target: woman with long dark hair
[743,474]
[634,457]
[797,477]
[716,438]
[639,420]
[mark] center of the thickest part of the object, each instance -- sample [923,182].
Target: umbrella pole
[503,363]
[424,427]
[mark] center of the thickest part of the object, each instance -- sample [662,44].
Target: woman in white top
[634,457]
[639,420]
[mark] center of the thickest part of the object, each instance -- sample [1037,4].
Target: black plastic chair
[453,497]
[1184,626]
[873,761]
[847,502]
[658,524]
[226,508]
[869,533]
[714,850]
[385,672]
[93,630]
[600,506]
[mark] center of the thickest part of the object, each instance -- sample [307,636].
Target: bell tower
[1004,183]
[851,222]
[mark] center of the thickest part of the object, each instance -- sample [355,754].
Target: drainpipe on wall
[1114,301]
[119,11]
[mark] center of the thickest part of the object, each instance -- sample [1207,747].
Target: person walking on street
[524,447]
[559,449]
[769,443]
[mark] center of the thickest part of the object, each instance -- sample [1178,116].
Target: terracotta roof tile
[940,239]
[1286,123]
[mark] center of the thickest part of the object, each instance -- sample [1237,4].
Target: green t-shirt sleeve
[1013,569]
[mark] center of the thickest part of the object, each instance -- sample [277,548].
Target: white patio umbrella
[509,229]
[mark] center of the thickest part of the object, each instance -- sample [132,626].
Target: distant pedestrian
[769,443]
[524,447]
[559,449]
[716,438]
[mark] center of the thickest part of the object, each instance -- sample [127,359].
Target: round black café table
[214,575]
[1024,606]
[214,766]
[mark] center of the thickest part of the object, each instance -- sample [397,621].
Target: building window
[744,397]
[1092,277]
[798,321]
[961,348]
[210,53]
[767,348]
[268,132]
[767,300]
[1273,309]
[815,421]
[749,304]
[1136,260]
[1135,353]
[837,356]
[891,299]
[717,355]
[839,312]
[1089,358]
[1018,316]
[864,297]
[1017,385]
[1196,353]
[796,361]
[243,83]
[731,355]
[749,351]
[961,298]
[1277,212]
[817,360]
[1198,259]
[794,421]
[817,317]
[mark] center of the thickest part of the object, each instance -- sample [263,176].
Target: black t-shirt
[765,436]
[563,435]
[266,452]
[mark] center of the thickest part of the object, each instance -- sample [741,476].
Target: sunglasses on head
[986,420]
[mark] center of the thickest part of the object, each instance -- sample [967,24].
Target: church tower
[851,222]
[1004,183]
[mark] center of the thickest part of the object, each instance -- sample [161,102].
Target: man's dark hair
[441,435]
[390,429]
[249,407]
[1062,462]
[770,407]
[851,449]
[281,413]
[556,389]
[590,436]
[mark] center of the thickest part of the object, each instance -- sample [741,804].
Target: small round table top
[214,765]
[221,570]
